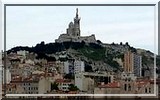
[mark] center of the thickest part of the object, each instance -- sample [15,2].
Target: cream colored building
[110,88]
[6,76]
[44,86]
[29,61]
[36,85]
[23,53]
[85,84]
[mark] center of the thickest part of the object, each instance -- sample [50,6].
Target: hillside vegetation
[91,51]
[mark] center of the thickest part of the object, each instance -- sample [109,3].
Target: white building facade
[6,76]
[137,65]
[78,66]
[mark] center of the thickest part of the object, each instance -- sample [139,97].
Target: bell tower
[77,24]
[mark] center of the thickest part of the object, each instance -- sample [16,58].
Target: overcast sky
[29,25]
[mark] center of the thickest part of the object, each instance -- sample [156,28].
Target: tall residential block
[132,63]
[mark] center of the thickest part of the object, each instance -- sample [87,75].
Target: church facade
[73,33]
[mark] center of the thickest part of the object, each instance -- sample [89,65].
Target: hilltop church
[73,33]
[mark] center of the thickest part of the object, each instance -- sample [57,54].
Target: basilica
[73,33]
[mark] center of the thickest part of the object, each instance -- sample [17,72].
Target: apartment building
[132,63]
[78,66]
[36,84]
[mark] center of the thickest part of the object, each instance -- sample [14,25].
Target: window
[129,88]
[125,87]
[149,90]
[129,79]
[145,90]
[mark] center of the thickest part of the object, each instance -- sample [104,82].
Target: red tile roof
[157,81]
[141,83]
[62,81]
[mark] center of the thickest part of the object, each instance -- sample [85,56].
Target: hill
[107,55]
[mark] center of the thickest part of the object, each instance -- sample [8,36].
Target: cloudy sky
[29,25]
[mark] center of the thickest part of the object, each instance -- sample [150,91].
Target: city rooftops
[63,81]
[110,85]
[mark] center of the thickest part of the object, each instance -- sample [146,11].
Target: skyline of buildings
[92,82]
[67,73]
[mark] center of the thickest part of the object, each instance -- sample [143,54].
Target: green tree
[113,43]
[54,86]
[127,44]
[73,87]
[121,43]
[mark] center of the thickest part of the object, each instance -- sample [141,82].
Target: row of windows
[26,84]
[31,92]
[64,88]
[31,88]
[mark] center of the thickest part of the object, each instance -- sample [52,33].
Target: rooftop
[110,85]
[63,81]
